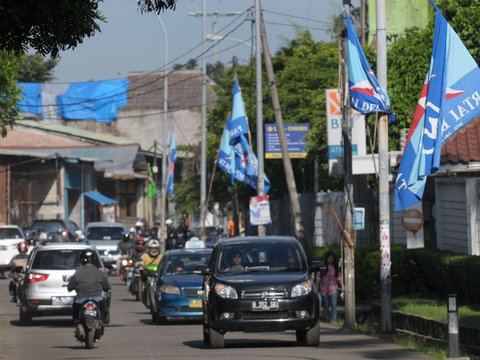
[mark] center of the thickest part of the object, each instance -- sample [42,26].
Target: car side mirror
[318,265]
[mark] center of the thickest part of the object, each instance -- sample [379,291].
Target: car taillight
[36,277]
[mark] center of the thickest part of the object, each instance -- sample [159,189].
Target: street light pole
[203,150]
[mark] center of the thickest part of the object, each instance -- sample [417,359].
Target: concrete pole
[203,150]
[349,231]
[260,155]
[383,158]
[163,206]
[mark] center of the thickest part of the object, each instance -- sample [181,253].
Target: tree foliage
[9,94]
[35,68]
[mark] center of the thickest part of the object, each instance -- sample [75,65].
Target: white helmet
[169,222]
[153,246]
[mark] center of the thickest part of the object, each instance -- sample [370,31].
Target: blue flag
[237,123]
[226,155]
[172,159]
[366,94]
[449,99]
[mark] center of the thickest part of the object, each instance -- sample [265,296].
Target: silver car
[44,289]
[10,236]
[105,237]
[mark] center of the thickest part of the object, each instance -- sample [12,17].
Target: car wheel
[206,335]
[301,337]
[160,320]
[25,318]
[312,336]
[216,339]
[106,318]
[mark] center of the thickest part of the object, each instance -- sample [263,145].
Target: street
[132,335]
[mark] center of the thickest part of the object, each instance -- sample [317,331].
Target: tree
[51,26]
[189,65]
[35,68]
[9,94]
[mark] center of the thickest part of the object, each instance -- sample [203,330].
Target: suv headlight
[225,291]
[170,289]
[302,289]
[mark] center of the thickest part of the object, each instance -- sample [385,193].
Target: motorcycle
[135,281]
[149,282]
[125,266]
[90,327]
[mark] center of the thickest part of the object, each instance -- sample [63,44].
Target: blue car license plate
[265,305]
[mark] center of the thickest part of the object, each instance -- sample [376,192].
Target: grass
[430,307]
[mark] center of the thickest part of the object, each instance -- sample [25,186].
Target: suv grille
[264,294]
[191,292]
[254,315]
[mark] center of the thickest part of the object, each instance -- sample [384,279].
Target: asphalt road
[132,335]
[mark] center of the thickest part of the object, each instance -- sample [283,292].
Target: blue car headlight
[225,291]
[170,289]
[302,289]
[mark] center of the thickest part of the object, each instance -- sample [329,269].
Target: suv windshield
[59,260]
[48,226]
[268,257]
[104,233]
[10,233]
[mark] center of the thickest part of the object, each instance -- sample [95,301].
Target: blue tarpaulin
[96,100]
[100,198]
[31,98]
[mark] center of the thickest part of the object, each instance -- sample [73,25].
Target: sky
[131,41]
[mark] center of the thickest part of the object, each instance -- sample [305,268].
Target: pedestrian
[328,283]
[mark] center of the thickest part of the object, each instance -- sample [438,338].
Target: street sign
[296,141]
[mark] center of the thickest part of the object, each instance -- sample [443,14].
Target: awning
[100,198]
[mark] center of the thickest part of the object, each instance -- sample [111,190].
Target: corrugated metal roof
[464,146]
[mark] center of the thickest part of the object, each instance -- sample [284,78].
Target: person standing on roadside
[328,284]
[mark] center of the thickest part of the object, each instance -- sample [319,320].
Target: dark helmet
[126,236]
[87,256]
[140,244]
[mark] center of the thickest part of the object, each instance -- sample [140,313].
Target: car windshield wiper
[257,268]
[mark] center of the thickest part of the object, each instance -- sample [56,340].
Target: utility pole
[203,150]
[363,13]
[258,65]
[349,236]
[383,158]
[287,163]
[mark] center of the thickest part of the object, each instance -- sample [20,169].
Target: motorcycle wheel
[89,335]
[138,293]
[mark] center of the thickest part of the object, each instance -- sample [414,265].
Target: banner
[260,210]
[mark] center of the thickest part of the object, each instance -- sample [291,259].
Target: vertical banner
[260,210]
[385,261]
[334,132]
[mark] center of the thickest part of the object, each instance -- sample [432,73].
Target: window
[59,260]
[104,233]
[10,233]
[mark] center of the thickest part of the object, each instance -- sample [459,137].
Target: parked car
[260,284]
[10,236]
[176,293]
[57,230]
[44,290]
[105,237]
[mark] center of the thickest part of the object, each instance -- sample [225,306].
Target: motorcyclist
[181,234]
[136,256]
[89,282]
[152,256]
[18,260]
[126,245]
[140,229]
[171,235]
[154,230]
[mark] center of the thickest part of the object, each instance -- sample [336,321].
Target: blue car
[176,293]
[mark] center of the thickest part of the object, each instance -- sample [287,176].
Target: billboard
[296,135]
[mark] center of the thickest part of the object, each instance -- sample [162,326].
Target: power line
[298,17]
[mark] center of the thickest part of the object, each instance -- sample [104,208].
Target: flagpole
[383,158]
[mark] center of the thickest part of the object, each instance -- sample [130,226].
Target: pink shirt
[329,282]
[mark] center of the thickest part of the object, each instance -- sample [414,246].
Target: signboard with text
[334,131]
[296,135]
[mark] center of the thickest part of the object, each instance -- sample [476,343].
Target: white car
[105,237]
[10,236]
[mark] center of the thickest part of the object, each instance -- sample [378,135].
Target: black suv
[260,284]
[57,230]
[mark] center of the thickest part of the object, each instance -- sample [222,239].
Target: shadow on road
[245,343]
[57,323]
[172,322]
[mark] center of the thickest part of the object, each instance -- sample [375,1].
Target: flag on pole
[238,123]
[172,159]
[366,94]
[151,186]
[450,98]
[226,155]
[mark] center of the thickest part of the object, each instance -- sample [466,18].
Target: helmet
[153,247]
[133,230]
[126,236]
[87,256]
[140,244]
[169,222]
[139,224]
[22,247]
[157,222]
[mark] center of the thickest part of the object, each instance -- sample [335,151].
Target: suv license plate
[195,304]
[264,305]
[62,300]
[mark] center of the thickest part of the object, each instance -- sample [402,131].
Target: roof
[184,90]
[82,137]
[464,146]
[65,245]
[264,239]
[103,224]
[205,250]
[100,198]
